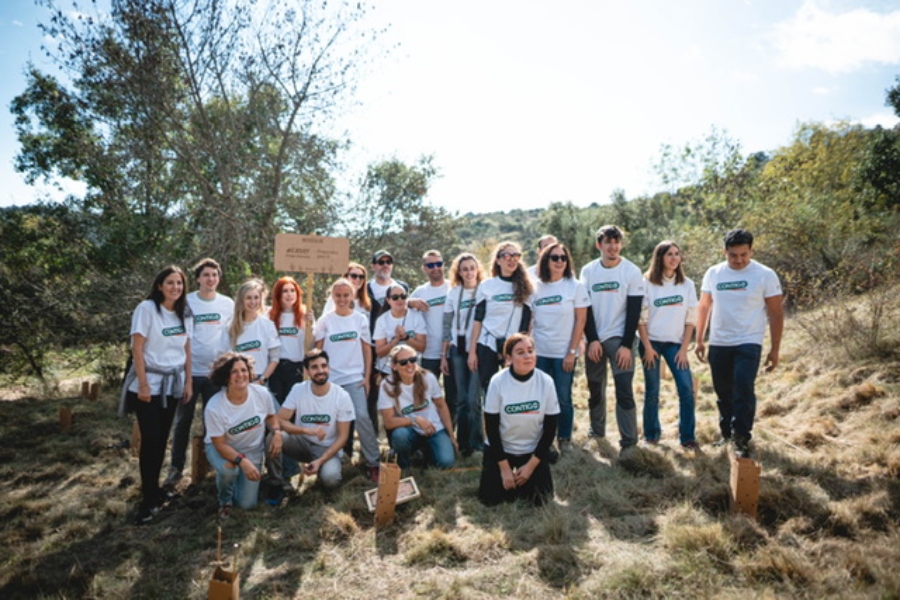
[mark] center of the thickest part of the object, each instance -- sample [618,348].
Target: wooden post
[224,584]
[744,485]
[388,484]
[136,439]
[310,288]
[95,390]
[85,389]
[65,418]
[199,464]
[696,390]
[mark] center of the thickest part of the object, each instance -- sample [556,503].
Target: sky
[523,103]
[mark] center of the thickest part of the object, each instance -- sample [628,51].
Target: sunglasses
[406,361]
[510,255]
[558,257]
[434,265]
[356,276]
[385,261]
[398,296]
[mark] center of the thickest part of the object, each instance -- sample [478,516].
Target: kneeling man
[316,419]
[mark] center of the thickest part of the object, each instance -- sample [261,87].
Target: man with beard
[315,421]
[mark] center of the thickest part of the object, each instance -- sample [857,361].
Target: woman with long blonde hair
[252,333]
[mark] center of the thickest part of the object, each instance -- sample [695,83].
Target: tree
[193,122]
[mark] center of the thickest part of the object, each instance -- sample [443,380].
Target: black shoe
[742,448]
[690,447]
[721,442]
[552,456]
[145,515]
[594,434]
[275,494]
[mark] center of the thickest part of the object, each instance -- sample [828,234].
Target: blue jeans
[734,371]
[406,440]
[684,383]
[232,486]
[562,381]
[469,426]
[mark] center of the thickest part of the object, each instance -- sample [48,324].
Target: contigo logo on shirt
[503,297]
[669,301]
[207,318]
[288,331]
[326,419]
[170,331]
[732,285]
[606,286]
[548,300]
[467,303]
[522,407]
[254,345]
[343,337]
[245,426]
[411,408]
[437,301]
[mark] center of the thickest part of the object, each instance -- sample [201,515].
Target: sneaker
[650,443]
[691,446]
[565,446]
[742,448]
[144,516]
[224,512]
[172,479]
[594,434]
[721,442]
[373,474]
[275,495]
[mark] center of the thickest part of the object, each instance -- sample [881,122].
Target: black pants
[536,490]
[155,423]
[488,365]
[285,376]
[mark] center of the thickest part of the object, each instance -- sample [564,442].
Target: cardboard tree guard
[745,485]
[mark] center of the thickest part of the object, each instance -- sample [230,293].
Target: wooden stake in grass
[95,391]
[388,484]
[199,464]
[65,418]
[224,585]
[85,389]
[744,485]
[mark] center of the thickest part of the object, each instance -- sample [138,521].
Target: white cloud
[838,42]
[18,23]
[886,119]
[821,90]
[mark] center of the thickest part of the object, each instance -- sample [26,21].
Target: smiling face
[433,267]
[342,296]
[671,260]
[288,297]
[557,260]
[172,289]
[523,357]
[508,260]
[396,295]
[610,248]
[406,371]
[239,378]
[208,281]
[357,277]
[318,371]
[252,303]
[468,270]
[738,256]
[383,267]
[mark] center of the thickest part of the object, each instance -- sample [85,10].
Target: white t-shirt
[739,313]
[243,425]
[326,411]
[211,318]
[668,306]
[258,337]
[461,304]
[165,339]
[521,406]
[553,315]
[378,290]
[608,290]
[427,411]
[344,337]
[533,273]
[386,328]
[502,316]
[436,298]
[292,336]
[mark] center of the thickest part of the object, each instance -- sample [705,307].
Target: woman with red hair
[290,316]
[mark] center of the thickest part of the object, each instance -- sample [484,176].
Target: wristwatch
[237,459]
[574,352]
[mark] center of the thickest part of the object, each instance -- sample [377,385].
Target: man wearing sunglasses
[429,299]
[381,282]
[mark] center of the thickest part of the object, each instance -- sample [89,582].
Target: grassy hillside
[654,525]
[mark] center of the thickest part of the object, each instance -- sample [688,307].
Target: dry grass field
[656,524]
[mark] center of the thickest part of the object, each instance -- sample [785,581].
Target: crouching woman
[521,411]
[414,412]
[235,431]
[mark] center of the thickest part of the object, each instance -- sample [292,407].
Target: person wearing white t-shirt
[400,325]
[414,412]
[344,335]
[357,275]
[236,420]
[543,242]
[559,308]
[615,287]
[520,417]
[316,419]
[159,376]
[466,275]
[668,317]
[252,333]
[501,309]
[737,298]
[212,314]
[429,299]
[292,319]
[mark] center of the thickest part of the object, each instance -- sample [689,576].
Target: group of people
[471,362]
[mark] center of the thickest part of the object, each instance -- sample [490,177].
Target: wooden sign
[744,486]
[297,253]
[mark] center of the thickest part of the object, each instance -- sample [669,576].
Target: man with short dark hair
[615,287]
[212,313]
[315,419]
[740,295]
